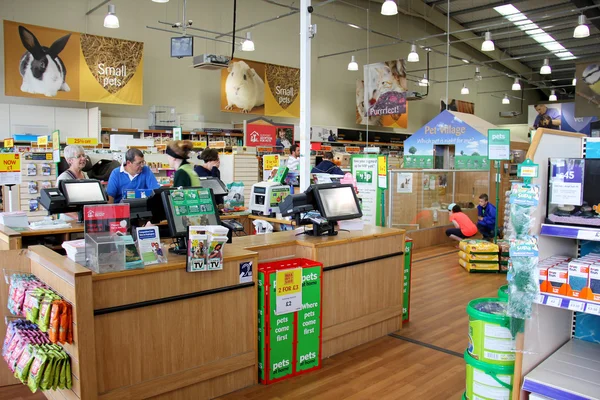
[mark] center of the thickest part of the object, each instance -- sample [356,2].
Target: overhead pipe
[202,30]
[179,33]
[97,7]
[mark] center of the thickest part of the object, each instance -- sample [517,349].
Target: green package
[43,320]
[69,383]
[32,312]
[62,375]
[37,370]
[24,363]
[45,381]
[60,368]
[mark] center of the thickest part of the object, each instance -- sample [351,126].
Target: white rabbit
[245,89]
[42,69]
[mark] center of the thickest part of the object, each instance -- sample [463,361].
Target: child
[486,217]
[463,226]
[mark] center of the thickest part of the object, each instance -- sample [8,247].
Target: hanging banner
[10,169]
[44,62]
[258,88]
[587,89]
[365,170]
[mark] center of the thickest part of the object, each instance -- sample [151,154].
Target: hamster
[244,88]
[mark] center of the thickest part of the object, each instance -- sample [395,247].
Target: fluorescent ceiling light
[564,54]
[353,65]
[505,99]
[516,85]
[527,27]
[552,96]
[568,58]
[574,82]
[507,9]
[543,38]
[553,46]
[354,26]
[523,22]
[111,20]
[466,61]
[465,89]
[534,32]
[424,81]
[488,44]
[389,7]
[546,70]
[160,1]
[248,44]
[582,30]
[516,17]
[413,56]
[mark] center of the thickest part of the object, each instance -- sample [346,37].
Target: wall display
[45,185]
[544,116]
[31,170]
[46,170]
[458,105]
[32,187]
[10,169]
[258,88]
[44,62]
[587,90]
[466,145]
[33,205]
[381,96]
[570,123]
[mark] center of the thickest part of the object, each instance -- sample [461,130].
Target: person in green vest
[178,151]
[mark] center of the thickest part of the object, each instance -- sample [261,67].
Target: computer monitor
[296,204]
[217,185]
[156,205]
[83,192]
[336,201]
[182,46]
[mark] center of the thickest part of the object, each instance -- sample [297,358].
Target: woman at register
[75,156]
[178,152]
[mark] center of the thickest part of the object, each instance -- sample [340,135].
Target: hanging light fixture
[488,44]
[574,83]
[389,7]
[353,65]
[546,70]
[505,99]
[248,44]
[478,76]
[516,85]
[552,96]
[413,56]
[424,81]
[160,1]
[465,89]
[582,30]
[111,20]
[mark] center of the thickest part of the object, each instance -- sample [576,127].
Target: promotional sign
[270,161]
[258,88]
[289,291]
[587,90]
[528,169]
[566,183]
[264,133]
[177,133]
[308,329]
[113,218]
[83,141]
[544,116]
[352,149]
[570,123]
[382,172]
[42,140]
[89,68]
[199,144]
[10,169]
[499,144]
[364,169]
[56,146]
[9,143]
[405,183]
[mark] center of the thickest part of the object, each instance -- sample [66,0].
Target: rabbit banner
[252,87]
[51,63]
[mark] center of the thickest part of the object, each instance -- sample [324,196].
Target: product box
[479,266]
[578,279]
[557,278]
[594,283]
[542,272]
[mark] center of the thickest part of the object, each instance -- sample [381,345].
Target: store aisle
[422,361]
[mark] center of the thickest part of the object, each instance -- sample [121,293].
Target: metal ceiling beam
[97,7]
[435,2]
[564,42]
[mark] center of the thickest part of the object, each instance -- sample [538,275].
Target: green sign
[528,169]
[471,162]
[191,202]
[177,133]
[411,161]
[499,144]
[281,338]
[364,176]
[277,196]
[309,320]
[365,170]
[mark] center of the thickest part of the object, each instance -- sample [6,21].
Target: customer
[327,166]
[463,226]
[75,156]
[293,162]
[132,175]
[486,217]
[211,164]
[178,152]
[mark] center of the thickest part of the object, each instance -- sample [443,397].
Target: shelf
[570,232]
[569,303]
[569,373]
[375,144]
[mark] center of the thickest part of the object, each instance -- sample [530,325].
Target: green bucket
[490,339]
[503,293]
[488,381]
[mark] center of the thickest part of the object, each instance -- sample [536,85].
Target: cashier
[211,165]
[132,175]
[75,157]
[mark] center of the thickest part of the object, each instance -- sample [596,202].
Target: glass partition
[419,199]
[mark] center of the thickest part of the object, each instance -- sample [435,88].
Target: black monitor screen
[182,46]
[337,202]
[217,186]
[83,192]
[191,206]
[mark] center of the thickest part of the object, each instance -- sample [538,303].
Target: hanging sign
[10,169]
[382,172]
[42,140]
[177,133]
[270,161]
[9,143]
[83,141]
[199,144]
[288,284]
[364,170]
[56,146]
[528,169]
[499,144]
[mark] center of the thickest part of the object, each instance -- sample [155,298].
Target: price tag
[554,301]
[540,299]
[593,309]
[588,235]
[576,305]
[289,291]
[42,141]
[9,143]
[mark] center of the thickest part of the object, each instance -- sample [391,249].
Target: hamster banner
[51,63]
[263,89]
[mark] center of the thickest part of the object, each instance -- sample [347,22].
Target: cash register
[71,195]
[266,196]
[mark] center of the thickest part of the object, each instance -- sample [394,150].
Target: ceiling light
[574,82]
[543,38]
[160,1]
[248,44]
[487,44]
[516,17]
[507,9]
[477,76]
[546,70]
[552,96]
[516,85]
[413,56]
[564,54]
[505,99]
[465,89]
[424,81]
[582,30]
[354,26]
[111,20]
[389,7]
[553,46]
[353,65]
[534,32]
[465,61]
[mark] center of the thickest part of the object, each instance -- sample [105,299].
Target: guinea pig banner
[55,64]
[263,89]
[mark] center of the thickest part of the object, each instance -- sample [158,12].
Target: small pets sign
[51,63]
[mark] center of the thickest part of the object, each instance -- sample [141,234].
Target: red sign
[260,135]
[107,218]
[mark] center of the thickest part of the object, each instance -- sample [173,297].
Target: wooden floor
[422,361]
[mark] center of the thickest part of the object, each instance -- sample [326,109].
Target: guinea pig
[243,87]
[41,68]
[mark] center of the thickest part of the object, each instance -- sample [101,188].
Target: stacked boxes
[560,265]
[504,254]
[289,344]
[478,255]
[579,278]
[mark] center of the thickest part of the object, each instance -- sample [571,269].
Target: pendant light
[574,83]
[505,99]
[248,44]
[546,70]
[424,81]
[488,44]
[582,30]
[111,20]
[353,65]
[413,56]
[465,89]
[389,7]
[477,76]
[516,85]
[552,96]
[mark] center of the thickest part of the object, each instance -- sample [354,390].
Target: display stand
[549,328]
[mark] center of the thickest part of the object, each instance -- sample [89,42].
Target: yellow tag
[199,144]
[42,141]
[271,161]
[10,162]
[289,281]
[56,140]
[381,165]
[217,144]
[83,141]
[9,142]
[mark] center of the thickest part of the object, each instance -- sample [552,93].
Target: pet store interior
[300,199]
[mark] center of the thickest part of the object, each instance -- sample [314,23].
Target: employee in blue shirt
[327,166]
[132,175]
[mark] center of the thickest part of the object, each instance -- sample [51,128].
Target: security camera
[310,9]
